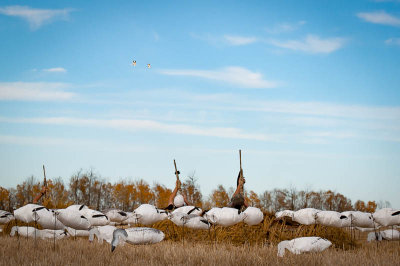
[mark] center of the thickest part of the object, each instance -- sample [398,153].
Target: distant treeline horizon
[86,187]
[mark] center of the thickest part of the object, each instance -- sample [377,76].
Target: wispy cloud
[35,91]
[380,17]
[393,41]
[36,17]
[285,27]
[239,40]
[134,125]
[55,70]
[237,76]
[311,44]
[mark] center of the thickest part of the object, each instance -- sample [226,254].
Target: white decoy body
[303,244]
[116,215]
[390,234]
[136,235]
[95,218]
[48,219]
[305,216]
[361,219]
[5,217]
[26,213]
[224,216]
[192,221]
[252,216]
[179,201]
[43,234]
[81,233]
[73,219]
[189,210]
[332,218]
[102,233]
[147,214]
[387,216]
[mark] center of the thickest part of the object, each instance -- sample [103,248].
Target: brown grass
[81,252]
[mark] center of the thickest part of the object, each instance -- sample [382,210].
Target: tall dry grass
[81,252]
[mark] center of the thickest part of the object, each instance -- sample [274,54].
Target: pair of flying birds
[134,64]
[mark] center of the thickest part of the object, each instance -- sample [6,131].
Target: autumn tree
[4,198]
[161,195]
[254,200]
[219,197]
[191,190]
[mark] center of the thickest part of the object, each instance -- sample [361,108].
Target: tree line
[86,187]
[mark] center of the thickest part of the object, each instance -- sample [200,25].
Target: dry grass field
[81,252]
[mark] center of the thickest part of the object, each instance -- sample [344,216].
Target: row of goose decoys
[79,220]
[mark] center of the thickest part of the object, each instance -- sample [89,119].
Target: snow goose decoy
[33,232]
[305,216]
[95,218]
[387,217]
[303,244]
[224,216]
[73,219]
[136,235]
[116,215]
[252,216]
[102,233]
[189,210]
[361,219]
[5,217]
[332,218]
[147,214]
[189,220]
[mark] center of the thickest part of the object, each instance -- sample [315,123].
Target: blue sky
[309,90]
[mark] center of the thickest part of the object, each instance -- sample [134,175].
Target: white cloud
[55,70]
[380,17]
[393,41]
[237,76]
[285,27]
[311,44]
[239,40]
[134,125]
[34,91]
[35,17]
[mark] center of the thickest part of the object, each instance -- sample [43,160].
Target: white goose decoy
[332,218]
[147,214]
[102,233]
[305,216]
[48,219]
[116,215]
[361,219]
[390,234]
[189,210]
[95,218]
[73,219]
[252,216]
[224,216]
[5,217]
[387,216]
[26,213]
[136,235]
[303,244]
[33,232]
[81,233]
[189,220]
